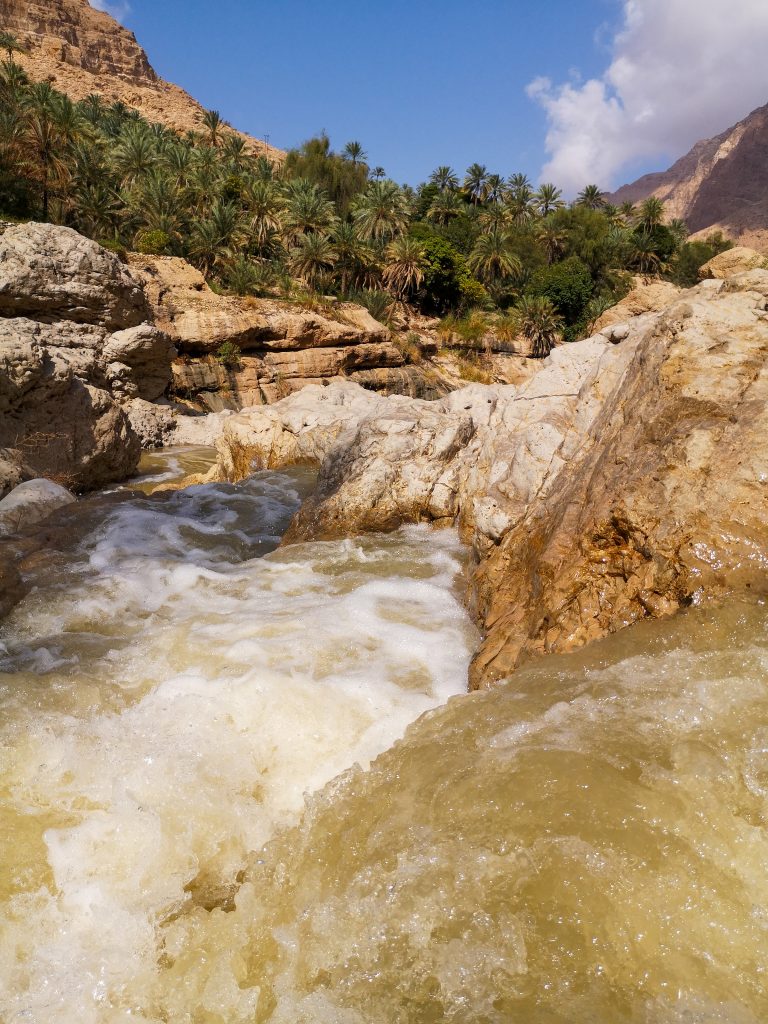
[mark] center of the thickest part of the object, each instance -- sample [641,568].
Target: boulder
[73,349]
[147,353]
[644,298]
[733,261]
[30,503]
[51,272]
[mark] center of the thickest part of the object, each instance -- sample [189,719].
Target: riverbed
[209,815]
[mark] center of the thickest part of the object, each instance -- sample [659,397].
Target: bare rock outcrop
[644,298]
[626,479]
[76,343]
[732,261]
[282,346]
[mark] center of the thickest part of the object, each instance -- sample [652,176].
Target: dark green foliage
[447,283]
[568,285]
[378,303]
[693,255]
[342,179]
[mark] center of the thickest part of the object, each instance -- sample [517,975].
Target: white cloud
[117,8]
[681,70]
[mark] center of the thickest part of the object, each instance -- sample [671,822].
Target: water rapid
[210,814]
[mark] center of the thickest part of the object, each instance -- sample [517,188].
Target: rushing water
[585,845]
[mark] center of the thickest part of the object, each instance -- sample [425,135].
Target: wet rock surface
[626,479]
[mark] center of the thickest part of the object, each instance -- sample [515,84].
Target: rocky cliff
[81,50]
[721,184]
[77,348]
[625,480]
[275,347]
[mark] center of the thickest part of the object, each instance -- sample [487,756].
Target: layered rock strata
[77,345]
[627,479]
[274,347]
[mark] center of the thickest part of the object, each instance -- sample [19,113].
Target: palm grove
[325,223]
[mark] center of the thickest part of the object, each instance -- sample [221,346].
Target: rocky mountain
[721,184]
[81,50]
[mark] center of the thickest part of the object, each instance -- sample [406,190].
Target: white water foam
[168,702]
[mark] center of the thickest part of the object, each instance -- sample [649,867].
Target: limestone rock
[51,272]
[73,347]
[199,321]
[664,503]
[644,298]
[619,482]
[147,352]
[153,424]
[31,502]
[732,261]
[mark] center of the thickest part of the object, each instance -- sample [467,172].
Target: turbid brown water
[192,829]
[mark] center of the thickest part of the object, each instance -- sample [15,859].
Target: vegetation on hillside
[325,221]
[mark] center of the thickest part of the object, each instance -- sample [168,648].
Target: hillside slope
[721,184]
[81,50]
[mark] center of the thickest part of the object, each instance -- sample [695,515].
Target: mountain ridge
[81,50]
[721,184]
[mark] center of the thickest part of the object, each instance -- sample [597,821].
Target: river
[208,814]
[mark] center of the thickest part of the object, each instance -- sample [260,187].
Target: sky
[570,91]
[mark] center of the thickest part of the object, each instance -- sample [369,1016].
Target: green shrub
[568,285]
[153,243]
[228,355]
[378,303]
[684,270]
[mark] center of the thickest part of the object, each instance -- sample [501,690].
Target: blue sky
[620,86]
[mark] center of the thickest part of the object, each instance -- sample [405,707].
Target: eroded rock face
[75,345]
[626,479]
[644,298]
[283,347]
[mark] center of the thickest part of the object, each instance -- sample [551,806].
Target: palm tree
[679,231]
[552,238]
[235,152]
[445,178]
[548,198]
[51,126]
[213,123]
[354,151]
[312,258]
[265,206]
[135,155]
[592,197]
[651,213]
[444,207]
[378,173]
[495,188]
[493,258]
[307,209]
[356,265]
[519,183]
[628,213]
[495,217]
[404,266]
[380,213]
[521,205]
[539,322]
[11,45]
[475,182]
[643,253]
[97,209]
[215,238]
